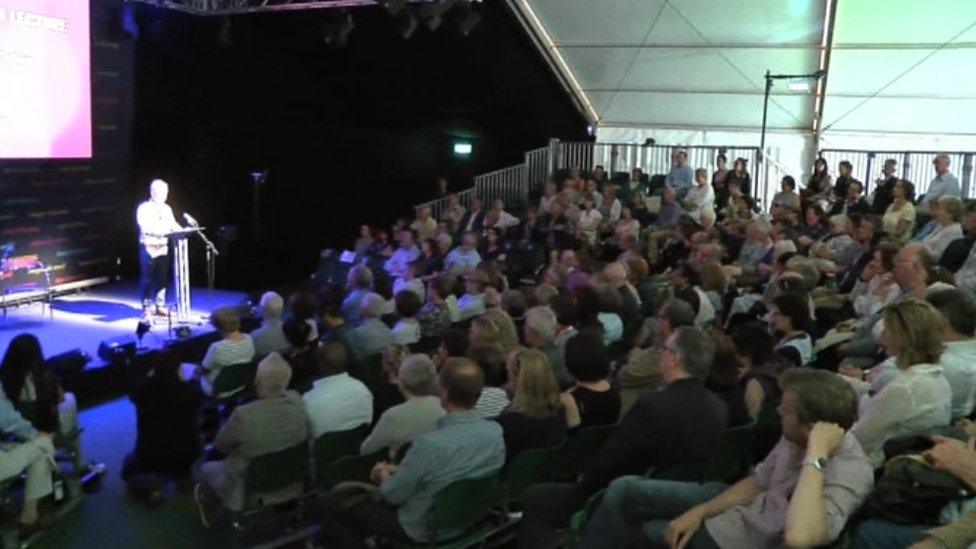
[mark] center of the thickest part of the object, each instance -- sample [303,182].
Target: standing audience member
[943,184]
[273,422]
[337,401]
[680,177]
[417,415]
[463,446]
[269,337]
[801,495]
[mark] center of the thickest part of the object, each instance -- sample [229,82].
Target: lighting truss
[235,7]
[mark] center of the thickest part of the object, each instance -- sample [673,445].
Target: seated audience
[919,397]
[465,256]
[610,305]
[801,495]
[386,390]
[407,329]
[537,416]
[454,344]
[958,358]
[464,446]
[303,306]
[787,195]
[431,260]
[167,430]
[334,324]
[641,373]
[616,274]
[336,401]
[269,337]
[425,224]
[539,332]
[899,219]
[405,254]
[300,356]
[410,281]
[788,317]
[594,400]
[700,198]
[435,316]
[359,283]
[234,347]
[418,414]
[947,212]
[273,422]
[493,399]
[472,303]
[371,335]
[686,414]
[723,380]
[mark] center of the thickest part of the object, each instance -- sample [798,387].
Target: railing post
[867,175]
[553,158]
[967,176]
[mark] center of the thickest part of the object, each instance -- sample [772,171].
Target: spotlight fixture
[407,24]
[465,19]
[336,33]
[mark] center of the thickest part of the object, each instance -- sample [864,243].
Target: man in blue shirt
[463,446]
[943,184]
[359,282]
[680,178]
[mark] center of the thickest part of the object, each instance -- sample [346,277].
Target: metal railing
[507,184]
[914,166]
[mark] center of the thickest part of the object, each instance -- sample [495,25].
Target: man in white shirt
[958,359]
[337,401]
[464,256]
[156,221]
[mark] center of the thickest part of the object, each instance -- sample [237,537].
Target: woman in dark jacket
[537,417]
[739,177]
[167,427]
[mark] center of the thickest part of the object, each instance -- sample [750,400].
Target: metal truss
[234,7]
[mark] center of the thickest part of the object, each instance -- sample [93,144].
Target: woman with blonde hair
[508,338]
[919,396]
[537,416]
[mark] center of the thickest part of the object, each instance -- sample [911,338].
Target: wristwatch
[819,464]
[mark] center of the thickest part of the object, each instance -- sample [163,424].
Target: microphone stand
[212,254]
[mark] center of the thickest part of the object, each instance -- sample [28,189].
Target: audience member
[493,400]
[680,177]
[405,254]
[539,332]
[943,184]
[472,303]
[789,317]
[885,187]
[337,401]
[417,415]
[386,390]
[594,400]
[537,416]
[641,373]
[463,446]
[464,256]
[435,316]
[359,283]
[407,330]
[234,346]
[801,495]
[947,212]
[167,429]
[273,422]
[371,335]
[269,337]
[684,413]
[958,359]
[300,356]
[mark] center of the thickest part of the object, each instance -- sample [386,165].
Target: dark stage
[110,312]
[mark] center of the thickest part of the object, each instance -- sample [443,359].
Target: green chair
[332,446]
[580,449]
[268,476]
[732,459]
[580,518]
[349,468]
[524,471]
[232,381]
[463,506]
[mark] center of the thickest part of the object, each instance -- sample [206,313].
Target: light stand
[769,86]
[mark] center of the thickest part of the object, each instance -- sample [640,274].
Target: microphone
[189,219]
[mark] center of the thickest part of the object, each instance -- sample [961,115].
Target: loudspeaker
[70,362]
[119,349]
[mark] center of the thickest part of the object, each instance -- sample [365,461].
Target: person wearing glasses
[919,397]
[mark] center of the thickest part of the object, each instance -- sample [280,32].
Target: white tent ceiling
[641,67]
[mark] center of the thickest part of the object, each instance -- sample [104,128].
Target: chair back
[463,503]
[580,449]
[332,446]
[233,379]
[277,470]
[369,370]
[732,458]
[525,470]
[349,468]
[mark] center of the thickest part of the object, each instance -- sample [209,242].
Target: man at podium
[156,222]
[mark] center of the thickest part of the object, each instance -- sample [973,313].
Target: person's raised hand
[824,439]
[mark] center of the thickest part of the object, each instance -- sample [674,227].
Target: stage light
[466,19]
[407,25]
[70,362]
[336,33]
[462,148]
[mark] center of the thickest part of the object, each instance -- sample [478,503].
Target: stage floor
[84,319]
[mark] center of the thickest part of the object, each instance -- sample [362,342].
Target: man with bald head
[156,221]
[273,422]
[464,446]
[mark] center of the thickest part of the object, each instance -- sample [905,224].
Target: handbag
[913,492]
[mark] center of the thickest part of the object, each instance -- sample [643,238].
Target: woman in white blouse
[948,212]
[548,196]
[899,219]
[919,396]
[701,197]
[589,220]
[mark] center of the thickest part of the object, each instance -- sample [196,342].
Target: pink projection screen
[45,79]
